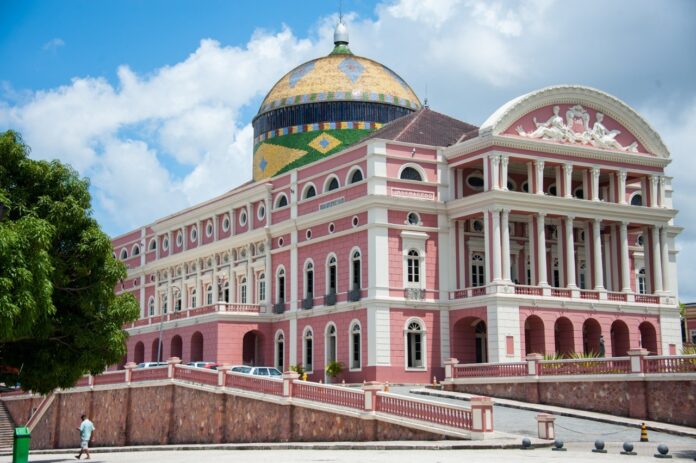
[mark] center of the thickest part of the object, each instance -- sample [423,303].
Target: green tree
[59,316]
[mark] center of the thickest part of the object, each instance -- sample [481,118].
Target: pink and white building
[547,226]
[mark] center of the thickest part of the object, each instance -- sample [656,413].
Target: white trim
[328,180]
[123,254]
[633,195]
[243,217]
[226,219]
[305,187]
[475,173]
[350,174]
[308,261]
[418,219]
[306,329]
[353,323]
[327,272]
[209,228]
[193,234]
[350,267]
[423,342]
[277,200]
[135,250]
[279,332]
[261,210]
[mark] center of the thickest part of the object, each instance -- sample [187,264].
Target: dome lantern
[341,40]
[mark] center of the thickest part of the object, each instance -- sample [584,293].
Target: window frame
[408,332]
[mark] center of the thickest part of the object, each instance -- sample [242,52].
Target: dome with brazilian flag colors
[325,105]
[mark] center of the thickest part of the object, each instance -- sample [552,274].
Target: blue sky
[152,100]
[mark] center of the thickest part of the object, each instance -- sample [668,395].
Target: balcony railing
[414,294]
[330,299]
[308,302]
[279,308]
[221,307]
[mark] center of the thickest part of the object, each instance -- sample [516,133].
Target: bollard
[545,426]
[643,433]
[558,446]
[628,449]
[663,451]
[527,444]
[599,446]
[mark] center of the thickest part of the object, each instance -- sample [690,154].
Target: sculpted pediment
[576,116]
[575,124]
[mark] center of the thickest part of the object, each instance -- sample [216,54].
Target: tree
[59,315]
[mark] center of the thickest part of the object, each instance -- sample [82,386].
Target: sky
[153,100]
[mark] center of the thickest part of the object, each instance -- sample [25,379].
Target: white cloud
[53,44]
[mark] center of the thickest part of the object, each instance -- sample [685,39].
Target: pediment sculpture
[576,129]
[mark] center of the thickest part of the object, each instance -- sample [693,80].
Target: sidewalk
[562,411]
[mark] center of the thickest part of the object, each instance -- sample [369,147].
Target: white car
[151,364]
[258,371]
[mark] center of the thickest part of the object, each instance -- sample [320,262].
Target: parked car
[151,364]
[210,365]
[258,371]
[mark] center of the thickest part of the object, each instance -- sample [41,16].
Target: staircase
[6,428]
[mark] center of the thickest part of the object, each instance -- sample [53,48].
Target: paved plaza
[576,453]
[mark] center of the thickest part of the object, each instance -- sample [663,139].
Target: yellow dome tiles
[340,78]
[324,143]
[269,159]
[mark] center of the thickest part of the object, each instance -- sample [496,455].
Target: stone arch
[620,339]
[591,331]
[176,347]
[139,352]
[469,340]
[197,347]
[564,336]
[534,337]
[648,337]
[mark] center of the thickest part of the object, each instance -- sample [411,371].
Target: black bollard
[526,444]
[628,449]
[662,451]
[599,446]
[558,446]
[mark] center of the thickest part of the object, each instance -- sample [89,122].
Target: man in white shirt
[86,429]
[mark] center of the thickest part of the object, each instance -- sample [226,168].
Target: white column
[214,281]
[541,249]
[653,190]
[595,184]
[664,251]
[622,187]
[656,260]
[199,262]
[539,165]
[530,254]
[570,252]
[530,178]
[661,197]
[506,243]
[597,258]
[495,172]
[625,270]
[504,160]
[496,244]
[568,180]
[157,293]
[487,246]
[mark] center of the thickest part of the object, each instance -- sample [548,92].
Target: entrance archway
[648,337]
[534,339]
[468,346]
[197,347]
[591,331]
[620,340]
[139,352]
[251,348]
[481,342]
[564,337]
[176,347]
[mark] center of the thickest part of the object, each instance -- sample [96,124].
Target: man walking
[86,429]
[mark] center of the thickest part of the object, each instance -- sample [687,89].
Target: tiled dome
[324,105]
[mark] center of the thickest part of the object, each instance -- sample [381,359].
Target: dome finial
[341,38]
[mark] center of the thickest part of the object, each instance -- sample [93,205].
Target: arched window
[164,303]
[280,351]
[309,279]
[177,300]
[226,291]
[642,288]
[261,288]
[193,297]
[356,270]
[331,275]
[243,290]
[309,192]
[478,275]
[151,306]
[637,200]
[582,276]
[331,184]
[356,176]
[409,173]
[136,250]
[413,267]
[209,294]
[355,351]
[153,244]
[124,254]
[280,284]
[331,344]
[415,345]
[308,350]
[281,201]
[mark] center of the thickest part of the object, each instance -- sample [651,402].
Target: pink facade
[517,239]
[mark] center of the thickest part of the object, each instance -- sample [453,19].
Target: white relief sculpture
[576,129]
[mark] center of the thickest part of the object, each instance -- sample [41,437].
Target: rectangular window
[356,274]
[308,354]
[332,279]
[262,290]
[310,282]
[281,289]
[356,350]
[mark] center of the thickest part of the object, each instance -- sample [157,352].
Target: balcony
[221,307]
[279,308]
[308,302]
[354,295]
[330,299]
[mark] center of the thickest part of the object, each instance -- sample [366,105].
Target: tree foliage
[59,315]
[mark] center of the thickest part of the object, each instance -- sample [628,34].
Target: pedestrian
[602,351]
[86,430]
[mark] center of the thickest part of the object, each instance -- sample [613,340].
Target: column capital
[504,158]
[595,171]
[541,215]
[662,179]
[505,210]
[495,159]
[597,221]
[570,217]
[654,179]
[622,175]
[539,163]
[496,209]
[568,167]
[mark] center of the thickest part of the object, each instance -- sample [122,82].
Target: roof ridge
[415,118]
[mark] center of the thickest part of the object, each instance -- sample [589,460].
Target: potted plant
[334,368]
[299,369]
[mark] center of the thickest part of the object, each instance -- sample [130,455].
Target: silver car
[258,371]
